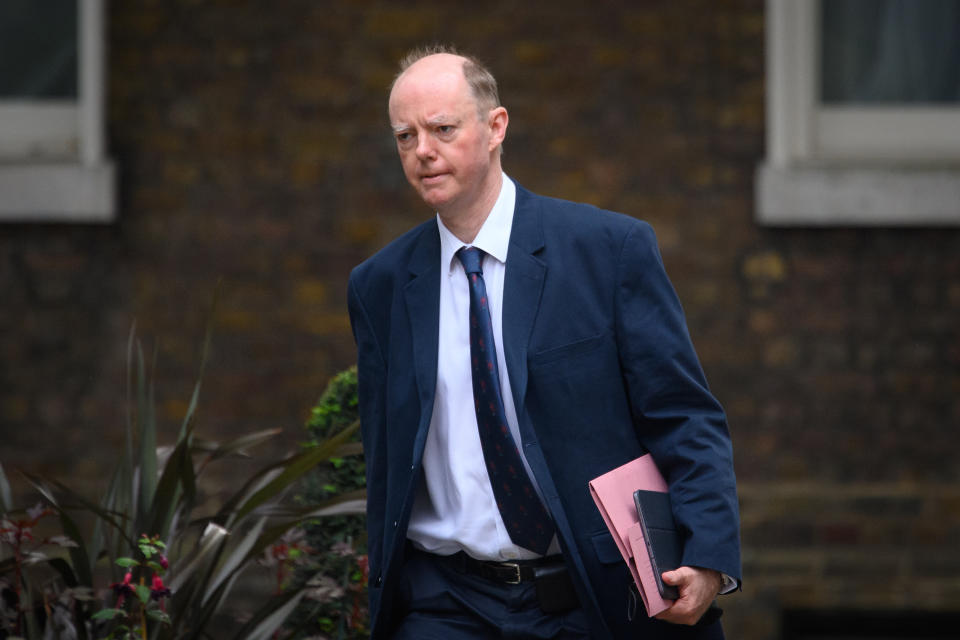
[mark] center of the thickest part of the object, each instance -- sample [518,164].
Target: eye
[445,129]
[404,137]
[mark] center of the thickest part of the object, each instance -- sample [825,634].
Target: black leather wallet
[664,544]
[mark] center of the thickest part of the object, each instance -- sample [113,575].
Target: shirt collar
[493,237]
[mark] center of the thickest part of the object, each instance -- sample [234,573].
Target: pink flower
[158,589]
[123,589]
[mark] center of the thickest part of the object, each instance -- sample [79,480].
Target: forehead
[430,88]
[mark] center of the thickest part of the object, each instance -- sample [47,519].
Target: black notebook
[664,545]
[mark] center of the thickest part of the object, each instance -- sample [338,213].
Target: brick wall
[253,151]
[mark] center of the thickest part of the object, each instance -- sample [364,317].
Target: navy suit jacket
[602,371]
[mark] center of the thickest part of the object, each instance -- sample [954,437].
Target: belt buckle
[516,567]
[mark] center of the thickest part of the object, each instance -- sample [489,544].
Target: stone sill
[64,193]
[832,196]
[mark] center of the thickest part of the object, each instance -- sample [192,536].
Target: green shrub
[336,565]
[170,564]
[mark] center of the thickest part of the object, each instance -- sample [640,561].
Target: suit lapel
[423,310]
[523,284]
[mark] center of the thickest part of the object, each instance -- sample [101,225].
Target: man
[478,456]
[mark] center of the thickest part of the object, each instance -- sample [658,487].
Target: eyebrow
[433,122]
[443,119]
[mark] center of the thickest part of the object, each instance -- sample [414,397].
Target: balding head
[482,84]
[431,76]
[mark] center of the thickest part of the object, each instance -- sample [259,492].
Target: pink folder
[613,493]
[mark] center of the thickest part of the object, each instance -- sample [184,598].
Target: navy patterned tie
[525,517]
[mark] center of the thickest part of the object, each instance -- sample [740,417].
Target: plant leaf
[294,467]
[237,446]
[213,536]
[107,614]
[6,501]
[29,614]
[108,516]
[235,559]
[79,555]
[169,491]
[351,449]
[270,616]
[187,424]
[101,538]
[65,570]
[146,409]
[347,503]
[157,614]
[41,486]
[126,483]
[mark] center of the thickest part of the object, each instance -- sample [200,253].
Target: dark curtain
[890,51]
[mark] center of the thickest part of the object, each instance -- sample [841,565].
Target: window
[52,161]
[863,113]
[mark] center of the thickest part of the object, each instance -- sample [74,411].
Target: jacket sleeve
[677,418]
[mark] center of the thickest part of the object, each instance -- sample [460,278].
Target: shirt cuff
[729,584]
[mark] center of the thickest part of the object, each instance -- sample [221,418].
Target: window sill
[831,196]
[61,192]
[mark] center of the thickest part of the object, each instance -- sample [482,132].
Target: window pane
[890,51]
[38,49]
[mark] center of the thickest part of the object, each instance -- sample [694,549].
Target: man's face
[447,150]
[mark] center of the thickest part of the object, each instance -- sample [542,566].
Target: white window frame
[53,164]
[839,166]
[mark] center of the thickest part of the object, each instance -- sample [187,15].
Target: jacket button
[378,581]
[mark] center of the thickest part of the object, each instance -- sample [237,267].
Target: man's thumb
[671,577]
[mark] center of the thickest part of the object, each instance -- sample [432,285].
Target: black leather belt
[554,587]
[517,572]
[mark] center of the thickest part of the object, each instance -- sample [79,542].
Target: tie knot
[471,259]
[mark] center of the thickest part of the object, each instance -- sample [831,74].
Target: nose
[425,149]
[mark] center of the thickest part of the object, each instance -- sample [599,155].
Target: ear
[498,120]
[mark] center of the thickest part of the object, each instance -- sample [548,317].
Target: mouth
[432,178]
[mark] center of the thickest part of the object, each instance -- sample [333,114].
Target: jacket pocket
[567,351]
[606,548]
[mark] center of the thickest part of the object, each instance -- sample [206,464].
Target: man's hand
[698,587]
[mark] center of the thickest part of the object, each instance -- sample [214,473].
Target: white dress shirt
[455,508]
